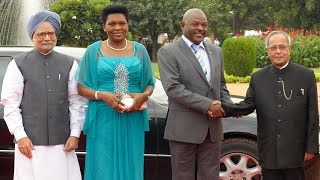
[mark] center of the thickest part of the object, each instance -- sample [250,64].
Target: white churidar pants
[47,163]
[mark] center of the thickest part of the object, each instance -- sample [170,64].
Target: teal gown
[116,150]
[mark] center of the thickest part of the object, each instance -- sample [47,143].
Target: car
[238,154]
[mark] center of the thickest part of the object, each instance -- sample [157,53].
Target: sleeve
[313,118]
[11,96]
[148,76]
[86,75]
[76,104]
[244,107]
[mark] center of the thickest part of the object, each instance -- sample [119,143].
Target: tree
[81,21]
[227,17]
[152,17]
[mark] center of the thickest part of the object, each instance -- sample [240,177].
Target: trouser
[185,155]
[283,174]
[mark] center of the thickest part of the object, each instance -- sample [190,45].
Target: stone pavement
[240,89]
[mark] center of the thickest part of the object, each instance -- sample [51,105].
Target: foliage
[296,13]
[305,47]
[262,59]
[230,78]
[306,51]
[149,18]
[80,20]
[239,56]
[317,76]
[256,14]
[236,79]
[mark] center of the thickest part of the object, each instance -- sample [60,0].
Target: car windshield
[159,94]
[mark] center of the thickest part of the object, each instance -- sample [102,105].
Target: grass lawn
[155,67]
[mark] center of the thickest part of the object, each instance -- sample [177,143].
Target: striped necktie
[197,53]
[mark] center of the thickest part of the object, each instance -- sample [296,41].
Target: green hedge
[239,56]
[235,79]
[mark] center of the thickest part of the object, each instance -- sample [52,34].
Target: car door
[6,139]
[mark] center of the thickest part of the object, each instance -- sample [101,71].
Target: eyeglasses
[281,47]
[42,35]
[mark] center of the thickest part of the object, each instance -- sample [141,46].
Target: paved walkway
[240,89]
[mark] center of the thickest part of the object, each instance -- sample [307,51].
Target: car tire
[239,160]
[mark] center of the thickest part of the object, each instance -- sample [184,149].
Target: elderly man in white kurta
[42,107]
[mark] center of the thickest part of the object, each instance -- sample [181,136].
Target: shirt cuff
[75,132]
[20,134]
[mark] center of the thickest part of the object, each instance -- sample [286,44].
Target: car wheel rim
[239,166]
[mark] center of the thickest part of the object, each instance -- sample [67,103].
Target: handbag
[128,100]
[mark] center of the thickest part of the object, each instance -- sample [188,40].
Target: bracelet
[147,94]
[96,95]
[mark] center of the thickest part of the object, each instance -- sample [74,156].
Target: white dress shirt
[203,54]
[11,96]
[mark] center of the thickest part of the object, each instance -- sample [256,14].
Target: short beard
[47,47]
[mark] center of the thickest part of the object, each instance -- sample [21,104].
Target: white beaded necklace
[116,48]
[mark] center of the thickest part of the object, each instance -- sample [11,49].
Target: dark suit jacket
[287,128]
[189,92]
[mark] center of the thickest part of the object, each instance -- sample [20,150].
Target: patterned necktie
[197,53]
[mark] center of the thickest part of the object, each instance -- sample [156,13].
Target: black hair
[112,9]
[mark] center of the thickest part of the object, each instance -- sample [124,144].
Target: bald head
[191,12]
[194,25]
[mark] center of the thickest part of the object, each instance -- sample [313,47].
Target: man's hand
[25,147]
[216,110]
[308,156]
[71,144]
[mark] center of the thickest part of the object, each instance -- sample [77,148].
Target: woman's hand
[112,99]
[138,100]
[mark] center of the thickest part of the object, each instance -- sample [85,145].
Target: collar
[189,43]
[283,69]
[43,55]
[285,65]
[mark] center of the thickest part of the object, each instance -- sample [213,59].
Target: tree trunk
[154,48]
[236,23]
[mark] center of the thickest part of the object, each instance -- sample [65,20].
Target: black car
[238,157]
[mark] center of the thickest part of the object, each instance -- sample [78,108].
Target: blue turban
[39,18]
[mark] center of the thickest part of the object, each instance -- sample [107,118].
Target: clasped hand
[114,100]
[216,110]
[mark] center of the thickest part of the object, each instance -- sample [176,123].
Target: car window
[77,53]
[4,61]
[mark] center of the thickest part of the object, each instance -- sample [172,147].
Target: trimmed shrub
[235,79]
[239,56]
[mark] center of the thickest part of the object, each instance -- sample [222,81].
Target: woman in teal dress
[114,131]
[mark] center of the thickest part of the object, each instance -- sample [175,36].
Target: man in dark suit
[284,96]
[192,75]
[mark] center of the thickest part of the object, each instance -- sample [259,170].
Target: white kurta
[48,162]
